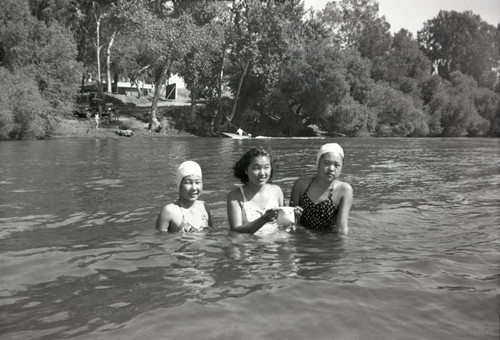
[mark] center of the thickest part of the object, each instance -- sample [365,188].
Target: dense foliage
[39,72]
[270,67]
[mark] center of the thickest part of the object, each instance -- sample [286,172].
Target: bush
[454,108]
[351,118]
[396,113]
[39,73]
[25,113]
[125,126]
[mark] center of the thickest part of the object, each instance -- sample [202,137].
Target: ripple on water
[420,262]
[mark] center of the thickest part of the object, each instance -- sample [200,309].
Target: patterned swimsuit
[321,216]
[250,212]
[186,226]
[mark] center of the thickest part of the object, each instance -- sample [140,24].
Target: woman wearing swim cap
[325,200]
[186,213]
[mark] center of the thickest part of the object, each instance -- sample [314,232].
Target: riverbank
[86,128]
[130,109]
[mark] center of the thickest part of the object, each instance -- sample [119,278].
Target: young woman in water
[186,213]
[324,199]
[254,207]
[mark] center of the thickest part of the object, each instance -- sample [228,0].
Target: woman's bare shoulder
[345,188]
[301,183]
[170,208]
[234,193]
[275,188]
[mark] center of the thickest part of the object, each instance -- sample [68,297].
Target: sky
[412,14]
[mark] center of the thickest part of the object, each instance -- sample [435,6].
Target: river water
[80,258]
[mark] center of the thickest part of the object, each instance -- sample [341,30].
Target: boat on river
[235,135]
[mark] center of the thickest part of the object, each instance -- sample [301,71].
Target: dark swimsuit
[321,216]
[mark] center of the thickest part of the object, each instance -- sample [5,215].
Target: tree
[132,61]
[403,59]
[257,53]
[39,70]
[396,113]
[316,80]
[461,42]
[356,24]
[167,39]
[200,68]
[351,118]
[453,110]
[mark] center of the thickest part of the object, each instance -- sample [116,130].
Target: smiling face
[190,188]
[330,166]
[259,170]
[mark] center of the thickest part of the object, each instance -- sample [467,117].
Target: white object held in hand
[286,216]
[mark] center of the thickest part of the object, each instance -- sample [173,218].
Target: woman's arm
[344,209]
[209,214]
[165,218]
[235,216]
[297,190]
[279,194]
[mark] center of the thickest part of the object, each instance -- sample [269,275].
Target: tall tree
[167,38]
[201,65]
[262,35]
[462,42]
[357,24]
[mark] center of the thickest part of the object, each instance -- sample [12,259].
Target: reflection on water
[80,257]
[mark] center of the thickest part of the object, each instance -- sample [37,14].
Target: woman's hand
[298,212]
[270,215]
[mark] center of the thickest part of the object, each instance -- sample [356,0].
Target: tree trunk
[159,81]
[138,88]
[83,83]
[98,49]
[192,113]
[108,61]
[243,74]
[136,79]
[219,91]
[115,81]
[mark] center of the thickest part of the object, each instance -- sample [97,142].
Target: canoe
[235,135]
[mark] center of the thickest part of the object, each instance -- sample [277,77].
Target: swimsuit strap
[243,194]
[244,197]
[311,182]
[182,212]
[186,225]
[329,195]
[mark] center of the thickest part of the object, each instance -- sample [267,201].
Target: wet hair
[242,165]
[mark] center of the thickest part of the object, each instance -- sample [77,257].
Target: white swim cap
[330,147]
[187,168]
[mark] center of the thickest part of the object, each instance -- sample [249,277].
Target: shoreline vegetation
[272,68]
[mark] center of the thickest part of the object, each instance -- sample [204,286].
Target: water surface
[80,259]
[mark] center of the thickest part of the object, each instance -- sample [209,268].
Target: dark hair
[242,165]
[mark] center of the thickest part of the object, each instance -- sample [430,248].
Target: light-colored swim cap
[330,147]
[187,168]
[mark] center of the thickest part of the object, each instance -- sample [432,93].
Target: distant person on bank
[325,200]
[186,214]
[97,118]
